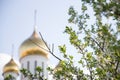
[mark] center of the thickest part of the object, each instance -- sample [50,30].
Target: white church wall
[42,61]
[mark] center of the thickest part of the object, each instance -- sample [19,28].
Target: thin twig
[97,44]
[38,45]
[90,70]
[52,48]
[49,48]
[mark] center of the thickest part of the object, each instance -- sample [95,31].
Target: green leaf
[71,57]
[84,8]
[89,55]
[62,49]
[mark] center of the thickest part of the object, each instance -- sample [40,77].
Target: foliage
[98,46]
[27,74]
[9,77]
[105,7]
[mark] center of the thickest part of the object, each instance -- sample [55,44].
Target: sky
[17,23]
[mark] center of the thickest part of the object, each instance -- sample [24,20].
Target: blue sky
[17,22]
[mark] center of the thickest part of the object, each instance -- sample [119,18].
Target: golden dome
[11,66]
[34,45]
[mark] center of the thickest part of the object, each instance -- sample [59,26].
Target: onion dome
[34,45]
[11,66]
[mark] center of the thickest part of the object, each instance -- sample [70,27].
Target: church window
[35,65]
[43,68]
[28,65]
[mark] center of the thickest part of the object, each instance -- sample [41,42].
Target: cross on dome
[35,20]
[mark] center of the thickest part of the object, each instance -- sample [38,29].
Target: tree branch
[49,48]
[90,69]
[97,44]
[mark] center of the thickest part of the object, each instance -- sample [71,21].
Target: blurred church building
[33,52]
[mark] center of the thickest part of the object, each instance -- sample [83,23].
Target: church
[33,52]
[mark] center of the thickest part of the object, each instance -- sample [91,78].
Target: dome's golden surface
[33,46]
[11,66]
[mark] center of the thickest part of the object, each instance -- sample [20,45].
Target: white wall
[32,58]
